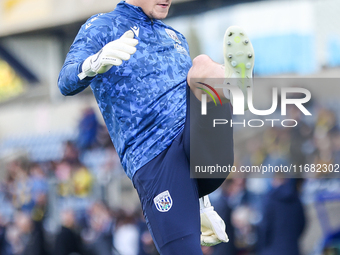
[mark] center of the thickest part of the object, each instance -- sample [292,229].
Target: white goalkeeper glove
[212,226]
[112,54]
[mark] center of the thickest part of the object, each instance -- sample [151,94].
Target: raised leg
[204,68]
[238,65]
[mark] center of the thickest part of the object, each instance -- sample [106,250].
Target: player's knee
[201,60]
[199,67]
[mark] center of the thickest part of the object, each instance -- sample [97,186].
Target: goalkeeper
[139,70]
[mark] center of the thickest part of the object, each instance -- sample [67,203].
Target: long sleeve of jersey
[90,39]
[143,101]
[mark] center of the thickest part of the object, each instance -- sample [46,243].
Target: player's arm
[90,55]
[112,54]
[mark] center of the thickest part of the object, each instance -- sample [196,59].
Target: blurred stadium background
[62,189]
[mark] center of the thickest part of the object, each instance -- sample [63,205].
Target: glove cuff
[86,69]
[207,209]
[205,203]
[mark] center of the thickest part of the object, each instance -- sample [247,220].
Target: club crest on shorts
[172,35]
[163,201]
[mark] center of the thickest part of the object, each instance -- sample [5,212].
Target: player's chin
[162,14]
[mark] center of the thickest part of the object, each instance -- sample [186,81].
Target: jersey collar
[134,11]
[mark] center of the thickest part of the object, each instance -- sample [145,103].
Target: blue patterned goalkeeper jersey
[143,100]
